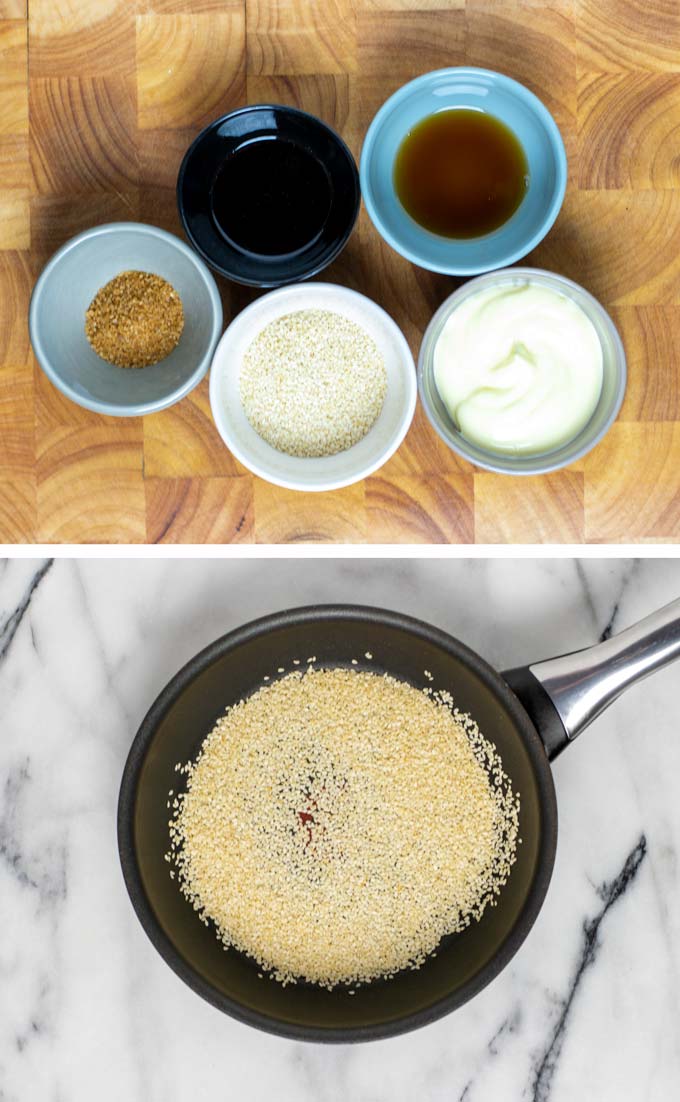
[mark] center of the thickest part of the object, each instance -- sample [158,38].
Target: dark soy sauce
[460,173]
[271,197]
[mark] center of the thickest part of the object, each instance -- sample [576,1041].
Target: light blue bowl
[481,90]
[65,289]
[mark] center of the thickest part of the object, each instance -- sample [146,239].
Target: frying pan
[531,714]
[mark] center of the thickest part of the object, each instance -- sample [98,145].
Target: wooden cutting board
[100,98]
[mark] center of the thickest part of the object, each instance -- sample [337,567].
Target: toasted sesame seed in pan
[338,823]
[312,383]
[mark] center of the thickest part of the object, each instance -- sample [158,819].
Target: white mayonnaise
[519,368]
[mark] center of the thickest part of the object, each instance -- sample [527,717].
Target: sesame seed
[338,823]
[312,383]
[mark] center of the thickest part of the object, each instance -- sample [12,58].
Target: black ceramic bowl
[268,195]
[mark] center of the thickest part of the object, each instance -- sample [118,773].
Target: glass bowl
[611,395]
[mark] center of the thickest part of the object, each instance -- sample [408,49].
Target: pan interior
[465,961]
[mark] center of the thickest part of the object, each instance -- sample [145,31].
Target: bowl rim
[493,461]
[339,244]
[407,367]
[506,82]
[172,691]
[115,409]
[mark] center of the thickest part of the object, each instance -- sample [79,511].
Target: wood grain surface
[98,102]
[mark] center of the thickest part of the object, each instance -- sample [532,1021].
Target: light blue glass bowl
[480,90]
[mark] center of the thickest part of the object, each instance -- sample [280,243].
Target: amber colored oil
[461,173]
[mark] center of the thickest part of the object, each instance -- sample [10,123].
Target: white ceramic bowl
[329,472]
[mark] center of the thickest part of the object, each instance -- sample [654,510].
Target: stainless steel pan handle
[579,686]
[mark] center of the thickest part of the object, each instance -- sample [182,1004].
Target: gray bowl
[65,289]
[606,411]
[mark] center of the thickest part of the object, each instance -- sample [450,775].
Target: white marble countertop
[589,1009]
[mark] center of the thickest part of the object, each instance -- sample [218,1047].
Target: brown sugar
[135,320]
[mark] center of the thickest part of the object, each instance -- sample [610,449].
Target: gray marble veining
[588,1009]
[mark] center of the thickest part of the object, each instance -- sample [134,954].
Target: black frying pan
[531,714]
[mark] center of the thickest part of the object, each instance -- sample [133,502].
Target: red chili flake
[306,818]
